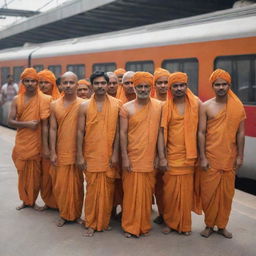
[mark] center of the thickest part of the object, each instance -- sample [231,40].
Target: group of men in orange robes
[136,136]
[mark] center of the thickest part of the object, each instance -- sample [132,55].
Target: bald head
[128,83]
[112,84]
[69,83]
[69,74]
[127,75]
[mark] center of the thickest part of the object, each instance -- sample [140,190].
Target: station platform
[28,232]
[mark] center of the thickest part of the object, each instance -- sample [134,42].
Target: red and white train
[197,45]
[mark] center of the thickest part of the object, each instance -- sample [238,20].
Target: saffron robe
[26,153]
[68,185]
[100,131]
[139,184]
[218,182]
[178,191]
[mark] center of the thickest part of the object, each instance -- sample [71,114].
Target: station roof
[87,17]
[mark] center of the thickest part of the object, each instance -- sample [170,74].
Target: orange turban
[48,75]
[142,77]
[27,73]
[159,72]
[178,77]
[83,81]
[220,73]
[119,71]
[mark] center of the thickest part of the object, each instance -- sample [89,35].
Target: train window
[79,70]
[147,66]
[56,69]
[189,66]
[17,72]
[242,69]
[38,68]
[5,71]
[104,67]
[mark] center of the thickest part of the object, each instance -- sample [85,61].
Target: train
[195,45]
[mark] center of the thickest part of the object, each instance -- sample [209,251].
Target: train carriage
[197,45]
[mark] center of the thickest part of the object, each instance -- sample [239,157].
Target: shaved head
[69,74]
[127,75]
[112,75]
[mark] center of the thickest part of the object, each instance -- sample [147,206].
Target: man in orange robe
[84,89]
[221,144]
[179,129]
[47,85]
[68,185]
[160,92]
[112,84]
[119,72]
[29,114]
[139,125]
[97,153]
[126,94]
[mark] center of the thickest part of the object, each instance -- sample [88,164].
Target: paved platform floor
[27,232]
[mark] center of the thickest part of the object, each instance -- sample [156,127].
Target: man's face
[69,84]
[142,90]
[128,86]
[83,91]
[10,80]
[179,90]
[220,87]
[100,85]
[45,86]
[120,77]
[30,84]
[162,85]
[112,86]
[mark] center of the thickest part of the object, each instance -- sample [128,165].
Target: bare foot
[60,222]
[79,221]
[127,235]
[22,206]
[207,232]
[89,232]
[188,233]
[225,233]
[159,220]
[166,230]
[37,207]
[109,228]
[43,208]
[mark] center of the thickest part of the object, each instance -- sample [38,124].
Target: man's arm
[201,136]
[124,143]
[240,145]
[115,155]
[20,124]
[80,136]
[45,137]
[53,133]
[161,150]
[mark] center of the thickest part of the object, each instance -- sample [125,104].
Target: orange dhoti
[178,198]
[26,152]
[68,190]
[29,180]
[98,200]
[138,192]
[47,184]
[217,192]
